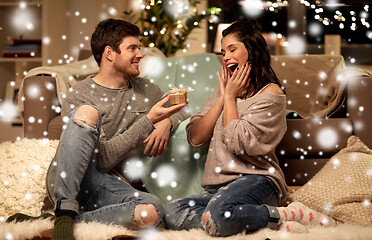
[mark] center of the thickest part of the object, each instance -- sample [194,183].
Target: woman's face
[234,52]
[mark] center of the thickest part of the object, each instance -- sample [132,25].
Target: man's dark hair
[110,32]
[248,31]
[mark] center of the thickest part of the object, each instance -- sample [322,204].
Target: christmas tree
[167,24]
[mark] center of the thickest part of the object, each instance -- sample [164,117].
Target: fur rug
[97,231]
[23,166]
[22,175]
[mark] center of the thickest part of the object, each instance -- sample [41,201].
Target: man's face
[128,60]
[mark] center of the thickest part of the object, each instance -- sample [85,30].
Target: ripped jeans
[246,204]
[75,184]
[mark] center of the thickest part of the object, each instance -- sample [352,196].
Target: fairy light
[179,24]
[365,23]
[353,27]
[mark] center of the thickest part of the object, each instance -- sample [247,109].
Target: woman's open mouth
[232,67]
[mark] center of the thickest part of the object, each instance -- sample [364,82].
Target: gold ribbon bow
[178,95]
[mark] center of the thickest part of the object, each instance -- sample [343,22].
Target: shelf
[16,3]
[35,59]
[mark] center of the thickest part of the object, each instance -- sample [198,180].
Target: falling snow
[134,168]
[166,175]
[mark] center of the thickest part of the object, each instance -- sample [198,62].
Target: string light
[338,15]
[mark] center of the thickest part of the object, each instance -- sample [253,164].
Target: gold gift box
[178,96]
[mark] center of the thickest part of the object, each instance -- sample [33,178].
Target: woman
[243,121]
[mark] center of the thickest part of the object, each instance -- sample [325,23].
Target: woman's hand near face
[238,82]
[223,78]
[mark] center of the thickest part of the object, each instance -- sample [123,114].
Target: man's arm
[158,139]
[117,148]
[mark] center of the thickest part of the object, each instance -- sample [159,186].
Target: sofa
[327,103]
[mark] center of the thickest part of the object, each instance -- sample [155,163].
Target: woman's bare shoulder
[273,88]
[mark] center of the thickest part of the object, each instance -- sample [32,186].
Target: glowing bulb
[22,5]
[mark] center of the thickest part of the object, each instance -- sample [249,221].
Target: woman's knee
[214,223]
[208,223]
[87,115]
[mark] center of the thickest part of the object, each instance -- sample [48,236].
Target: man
[111,116]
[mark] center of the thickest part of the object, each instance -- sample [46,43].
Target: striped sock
[293,227]
[304,215]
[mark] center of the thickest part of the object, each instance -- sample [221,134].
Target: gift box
[178,95]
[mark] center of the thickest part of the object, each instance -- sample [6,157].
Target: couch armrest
[40,105]
[359,109]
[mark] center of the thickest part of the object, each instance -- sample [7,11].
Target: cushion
[23,166]
[177,173]
[304,76]
[198,71]
[342,189]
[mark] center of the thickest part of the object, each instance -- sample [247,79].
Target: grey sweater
[124,125]
[245,145]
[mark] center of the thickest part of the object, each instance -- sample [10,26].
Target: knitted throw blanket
[342,189]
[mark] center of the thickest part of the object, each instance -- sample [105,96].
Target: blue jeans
[246,204]
[75,184]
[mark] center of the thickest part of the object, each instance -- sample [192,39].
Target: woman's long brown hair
[248,32]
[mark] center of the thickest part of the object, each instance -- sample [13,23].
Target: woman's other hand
[238,82]
[223,78]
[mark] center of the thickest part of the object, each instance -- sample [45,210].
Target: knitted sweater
[245,145]
[124,125]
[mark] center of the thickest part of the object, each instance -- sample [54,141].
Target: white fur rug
[97,231]
[22,189]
